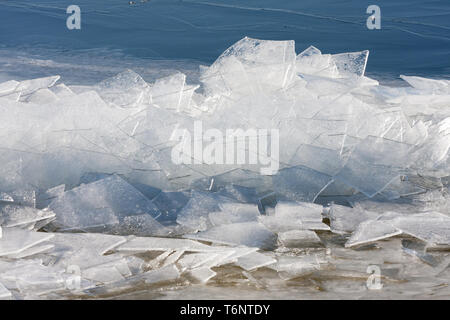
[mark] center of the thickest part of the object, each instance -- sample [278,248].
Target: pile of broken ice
[90,197]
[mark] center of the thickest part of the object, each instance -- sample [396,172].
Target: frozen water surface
[88,186]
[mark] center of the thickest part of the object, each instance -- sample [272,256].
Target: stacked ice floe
[97,159]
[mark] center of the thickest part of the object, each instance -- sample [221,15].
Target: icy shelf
[93,202]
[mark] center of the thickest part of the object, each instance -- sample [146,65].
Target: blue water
[414,38]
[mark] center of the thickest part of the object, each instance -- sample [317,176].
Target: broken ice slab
[249,65]
[299,239]
[169,273]
[41,96]
[346,219]
[22,197]
[170,203]
[251,234]
[68,243]
[62,91]
[104,202]
[370,231]
[32,277]
[102,274]
[172,92]
[172,258]
[141,225]
[202,274]
[43,199]
[428,85]
[255,260]
[234,213]
[17,215]
[8,87]
[16,240]
[4,293]
[324,160]
[44,247]
[300,183]
[373,164]
[142,244]
[239,177]
[289,267]
[312,61]
[127,89]
[351,63]
[290,215]
[431,227]
[27,87]
[195,213]
[418,250]
[197,260]
[240,193]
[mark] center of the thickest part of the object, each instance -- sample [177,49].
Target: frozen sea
[414,38]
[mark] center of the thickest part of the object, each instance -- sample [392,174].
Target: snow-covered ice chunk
[251,234]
